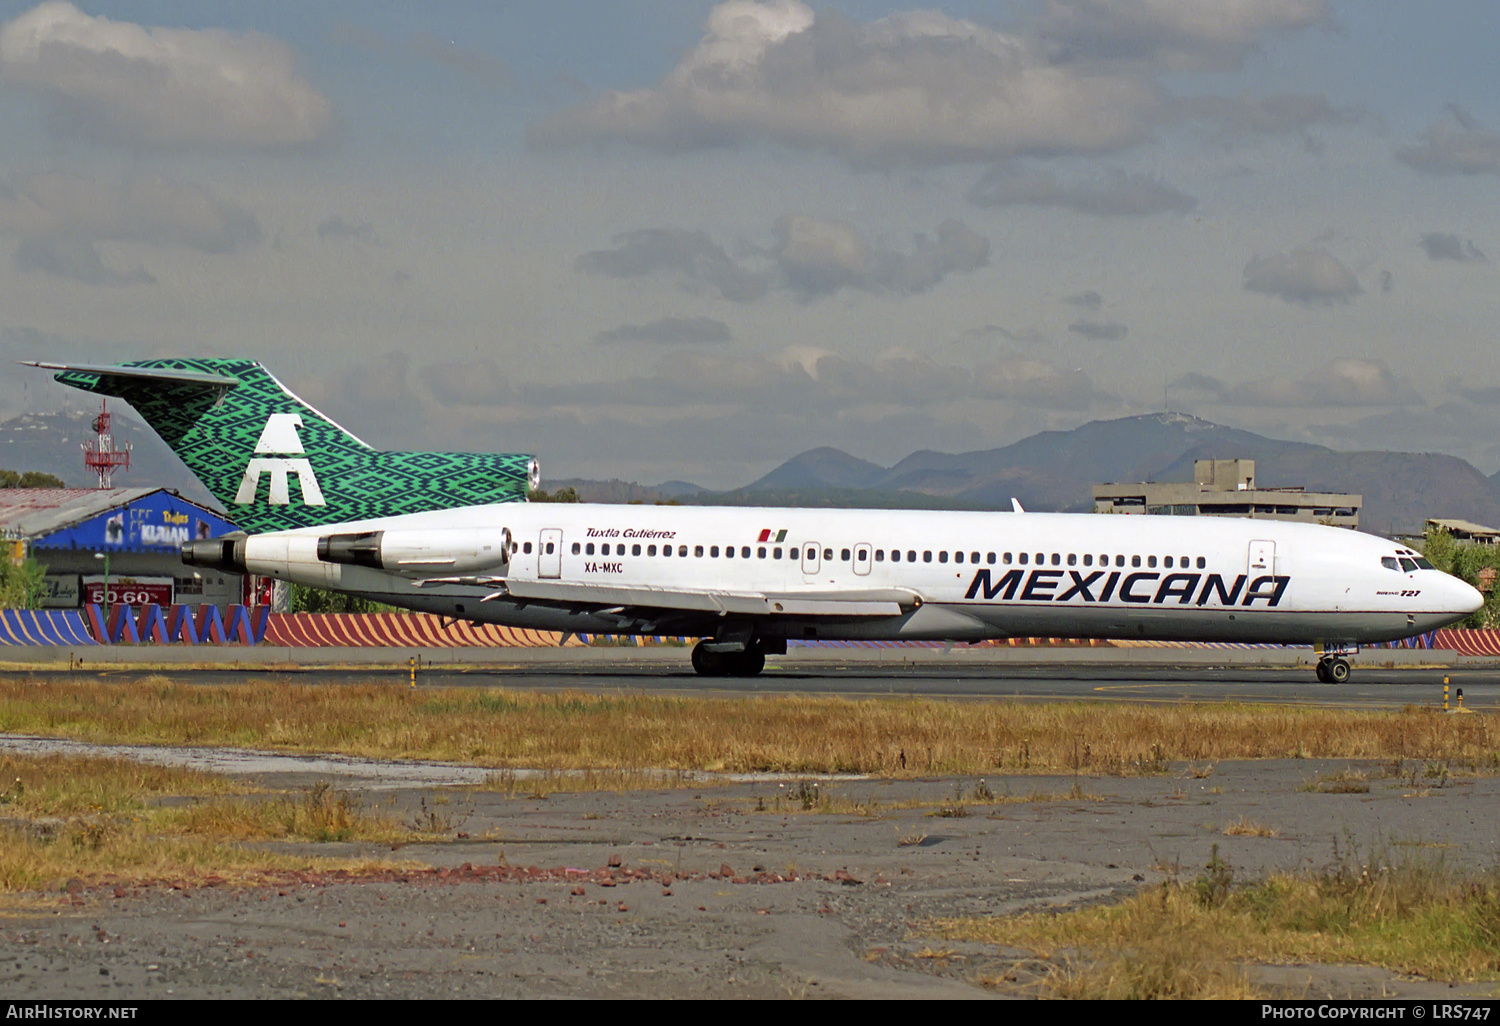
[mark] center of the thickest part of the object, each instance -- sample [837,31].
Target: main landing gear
[1333,668]
[746,663]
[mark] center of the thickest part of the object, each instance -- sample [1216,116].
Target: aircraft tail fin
[246,437]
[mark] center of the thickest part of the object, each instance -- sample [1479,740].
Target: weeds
[1193,940]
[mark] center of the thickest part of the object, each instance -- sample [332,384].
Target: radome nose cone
[1470,599]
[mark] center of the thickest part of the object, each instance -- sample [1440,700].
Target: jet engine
[447,550]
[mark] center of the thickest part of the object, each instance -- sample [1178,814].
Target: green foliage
[29,479]
[20,585]
[317,600]
[1468,563]
[569,494]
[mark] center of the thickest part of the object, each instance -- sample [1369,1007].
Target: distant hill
[1054,470]
[50,442]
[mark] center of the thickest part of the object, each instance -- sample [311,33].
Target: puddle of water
[375,774]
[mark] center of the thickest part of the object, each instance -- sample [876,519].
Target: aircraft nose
[1469,599]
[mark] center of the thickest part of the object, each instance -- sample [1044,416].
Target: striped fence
[399,630]
[43,627]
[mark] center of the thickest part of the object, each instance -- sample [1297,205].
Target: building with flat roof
[1466,532]
[1227,488]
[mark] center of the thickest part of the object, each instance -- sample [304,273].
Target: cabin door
[549,554]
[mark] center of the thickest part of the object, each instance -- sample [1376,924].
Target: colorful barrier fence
[399,630]
[43,627]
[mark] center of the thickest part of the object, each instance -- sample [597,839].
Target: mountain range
[1053,470]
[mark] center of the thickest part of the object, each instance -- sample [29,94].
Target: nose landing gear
[1333,667]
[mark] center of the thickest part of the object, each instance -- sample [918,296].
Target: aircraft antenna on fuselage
[1015,505]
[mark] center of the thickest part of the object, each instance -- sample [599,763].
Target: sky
[679,240]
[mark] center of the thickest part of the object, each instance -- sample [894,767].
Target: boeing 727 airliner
[747,581]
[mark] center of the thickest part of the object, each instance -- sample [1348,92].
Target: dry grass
[1193,940]
[797,734]
[1247,827]
[63,817]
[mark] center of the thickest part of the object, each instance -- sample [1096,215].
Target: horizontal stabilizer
[162,375]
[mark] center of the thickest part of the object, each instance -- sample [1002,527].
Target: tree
[316,600]
[569,494]
[20,586]
[29,479]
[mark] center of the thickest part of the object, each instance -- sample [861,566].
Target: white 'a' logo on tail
[280,436]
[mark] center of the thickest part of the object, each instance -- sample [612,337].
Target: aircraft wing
[644,600]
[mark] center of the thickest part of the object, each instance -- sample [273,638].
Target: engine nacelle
[452,551]
[225,553]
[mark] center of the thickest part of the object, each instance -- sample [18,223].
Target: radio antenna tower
[102,457]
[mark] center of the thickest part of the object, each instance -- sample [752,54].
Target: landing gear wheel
[1323,672]
[1338,671]
[749,663]
[708,664]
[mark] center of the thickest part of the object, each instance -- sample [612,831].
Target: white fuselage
[926,575]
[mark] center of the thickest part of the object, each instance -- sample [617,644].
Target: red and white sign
[130,591]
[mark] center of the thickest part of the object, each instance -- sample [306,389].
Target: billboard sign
[132,591]
[158,522]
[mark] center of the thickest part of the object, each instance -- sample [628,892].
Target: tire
[1338,671]
[707,664]
[749,663]
[1323,672]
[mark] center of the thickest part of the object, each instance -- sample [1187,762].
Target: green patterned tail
[276,463]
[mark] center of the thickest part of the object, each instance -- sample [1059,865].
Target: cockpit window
[1425,564]
[1409,565]
[1389,562]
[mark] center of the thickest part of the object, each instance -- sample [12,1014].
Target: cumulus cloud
[671,331]
[916,86]
[1307,276]
[694,258]
[1105,331]
[1088,300]
[60,217]
[1113,194]
[809,257]
[1347,382]
[1440,246]
[922,87]
[1455,145]
[142,88]
[1240,117]
[1179,35]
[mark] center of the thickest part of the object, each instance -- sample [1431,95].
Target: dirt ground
[715,893]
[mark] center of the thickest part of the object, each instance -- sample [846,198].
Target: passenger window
[989,557]
[1409,565]
[1088,559]
[911,555]
[880,555]
[1041,558]
[775,553]
[958,557]
[1072,559]
[1202,563]
[635,550]
[927,556]
[895,555]
[1183,562]
[1005,559]
[1023,558]
[1135,560]
[744,552]
[588,549]
[760,553]
[681,550]
[828,555]
[943,556]
[1151,561]
[698,551]
[551,548]
[577,548]
[713,551]
[651,550]
[1167,562]
[844,555]
[524,548]
[729,552]
[1120,561]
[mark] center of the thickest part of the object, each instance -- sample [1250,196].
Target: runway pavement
[1131,675]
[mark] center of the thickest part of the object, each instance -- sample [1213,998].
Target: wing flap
[820,604]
